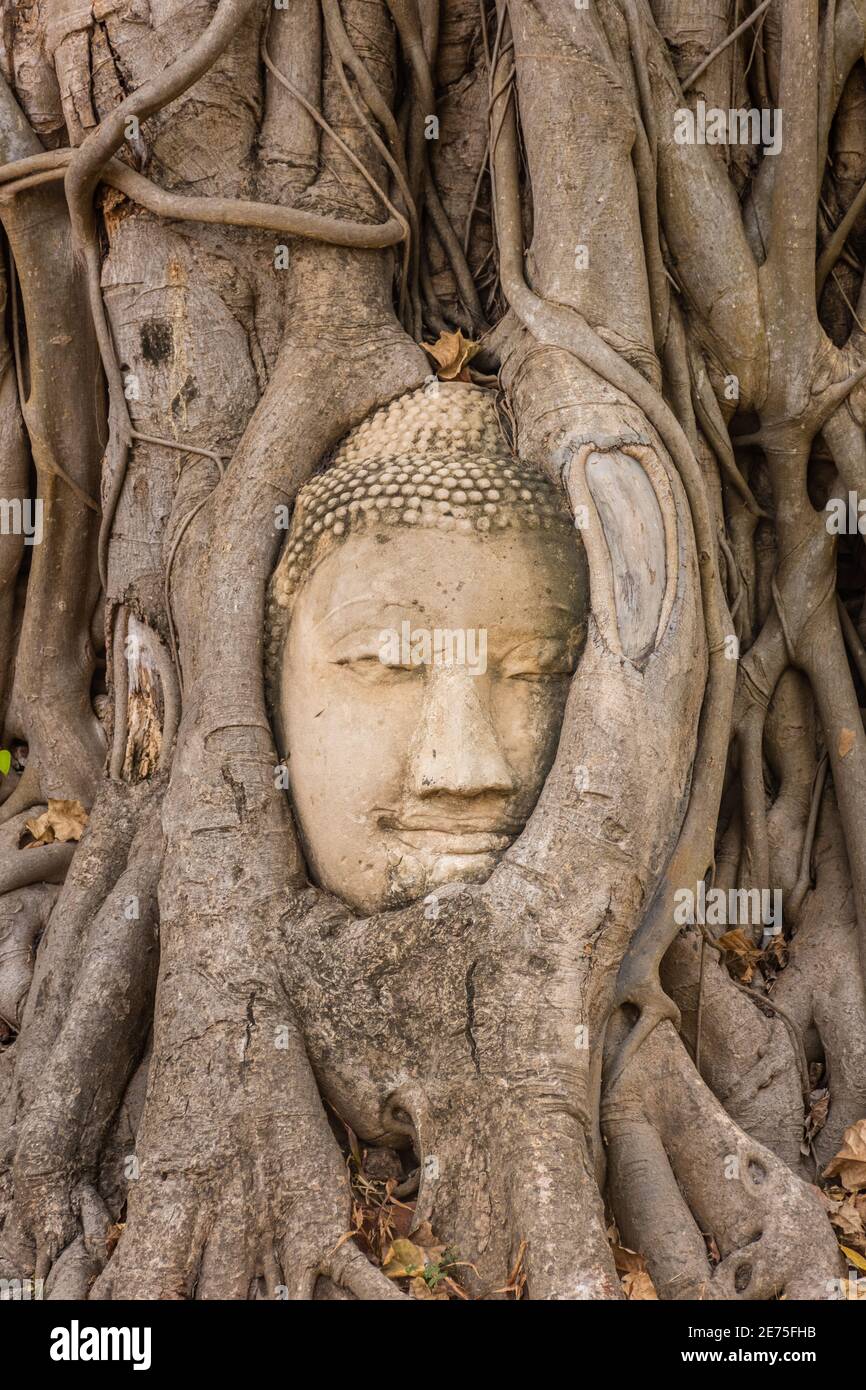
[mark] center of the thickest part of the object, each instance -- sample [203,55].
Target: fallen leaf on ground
[63,821]
[638,1286]
[419,1289]
[404,1260]
[452,352]
[847,1222]
[628,1261]
[850,1162]
[858,1261]
[818,1109]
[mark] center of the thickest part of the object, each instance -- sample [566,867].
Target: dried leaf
[63,821]
[638,1286]
[419,1289]
[744,949]
[451,352]
[403,1260]
[112,1236]
[846,742]
[737,942]
[858,1261]
[818,1109]
[628,1261]
[354,1146]
[401,1216]
[848,1223]
[850,1162]
[632,1270]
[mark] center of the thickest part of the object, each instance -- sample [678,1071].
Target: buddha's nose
[455,748]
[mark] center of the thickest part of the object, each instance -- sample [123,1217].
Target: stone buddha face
[421,679]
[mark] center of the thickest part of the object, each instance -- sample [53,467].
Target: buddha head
[423,623]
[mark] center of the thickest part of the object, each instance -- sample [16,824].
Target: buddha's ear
[602,829]
[623,503]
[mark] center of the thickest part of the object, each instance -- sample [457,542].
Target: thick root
[682,1173]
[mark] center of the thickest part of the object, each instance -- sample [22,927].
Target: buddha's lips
[452,841]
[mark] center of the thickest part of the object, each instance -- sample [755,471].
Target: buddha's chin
[461,868]
[418,876]
[410,875]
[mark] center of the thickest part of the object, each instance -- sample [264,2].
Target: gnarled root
[23,918]
[245,1193]
[822,987]
[681,1171]
[82,1026]
[747,1056]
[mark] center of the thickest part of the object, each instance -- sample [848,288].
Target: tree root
[61,1137]
[822,989]
[746,1058]
[681,1170]
[49,703]
[23,919]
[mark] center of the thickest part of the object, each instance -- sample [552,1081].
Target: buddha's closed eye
[374,668]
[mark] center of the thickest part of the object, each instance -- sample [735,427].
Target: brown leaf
[737,942]
[451,352]
[817,1117]
[744,949]
[846,742]
[628,1261]
[633,1273]
[419,1289]
[402,1214]
[64,820]
[112,1236]
[850,1162]
[848,1223]
[638,1286]
[403,1260]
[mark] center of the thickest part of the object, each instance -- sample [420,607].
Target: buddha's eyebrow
[353,602]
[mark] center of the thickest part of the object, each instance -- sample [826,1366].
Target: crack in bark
[470,1016]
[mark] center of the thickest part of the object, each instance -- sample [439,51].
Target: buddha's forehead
[513,577]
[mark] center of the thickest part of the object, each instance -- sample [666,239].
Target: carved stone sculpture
[423,625]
